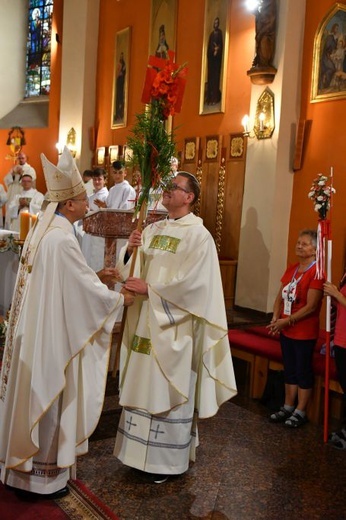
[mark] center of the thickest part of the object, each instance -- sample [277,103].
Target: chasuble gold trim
[165,243]
[141,345]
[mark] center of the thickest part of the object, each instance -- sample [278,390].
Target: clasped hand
[276,326]
[136,285]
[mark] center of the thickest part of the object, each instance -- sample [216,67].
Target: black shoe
[28,496]
[159,479]
[153,478]
[281,416]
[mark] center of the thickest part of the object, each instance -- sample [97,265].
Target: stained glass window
[38,48]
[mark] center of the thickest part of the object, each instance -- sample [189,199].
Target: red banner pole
[328,327]
[328,314]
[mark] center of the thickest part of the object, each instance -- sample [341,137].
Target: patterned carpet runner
[79,504]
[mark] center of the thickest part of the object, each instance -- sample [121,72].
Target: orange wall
[115,16]
[325,148]
[41,140]
[325,144]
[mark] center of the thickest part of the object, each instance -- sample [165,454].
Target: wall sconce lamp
[264,123]
[70,143]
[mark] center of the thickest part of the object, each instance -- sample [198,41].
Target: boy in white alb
[122,195]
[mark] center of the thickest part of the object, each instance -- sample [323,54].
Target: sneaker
[280,416]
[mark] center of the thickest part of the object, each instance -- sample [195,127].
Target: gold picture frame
[120,78]
[329,57]
[214,57]
[163,20]
[237,147]
[190,149]
[213,144]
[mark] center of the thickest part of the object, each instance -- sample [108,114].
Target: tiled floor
[246,469]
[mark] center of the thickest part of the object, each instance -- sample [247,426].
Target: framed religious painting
[163,21]
[127,154]
[214,57]
[113,153]
[121,78]
[101,156]
[237,147]
[329,57]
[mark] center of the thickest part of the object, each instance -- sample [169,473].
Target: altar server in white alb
[58,344]
[13,178]
[93,248]
[122,195]
[29,199]
[176,363]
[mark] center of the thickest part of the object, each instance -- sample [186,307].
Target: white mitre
[64,182]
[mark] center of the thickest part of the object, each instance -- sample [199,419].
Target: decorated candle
[24,224]
[33,219]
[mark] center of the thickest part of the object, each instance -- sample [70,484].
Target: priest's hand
[135,240]
[129,297]
[109,276]
[136,285]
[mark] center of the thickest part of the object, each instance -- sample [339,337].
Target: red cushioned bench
[263,352]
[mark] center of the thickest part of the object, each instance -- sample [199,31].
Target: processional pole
[152,143]
[328,315]
[140,223]
[321,194]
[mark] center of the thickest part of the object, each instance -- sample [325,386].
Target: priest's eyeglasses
[173,187]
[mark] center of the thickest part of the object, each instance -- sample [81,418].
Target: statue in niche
[262,70]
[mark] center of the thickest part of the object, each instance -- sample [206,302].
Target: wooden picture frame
[120,78]
[329,57]
[237,147]
[113,153]
[163,20]
[303,129]
[214,57]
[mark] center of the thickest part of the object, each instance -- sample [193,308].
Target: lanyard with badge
[290,290]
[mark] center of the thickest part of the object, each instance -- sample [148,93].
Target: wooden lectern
[113,224]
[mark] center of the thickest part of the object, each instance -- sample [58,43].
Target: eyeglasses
[174,187]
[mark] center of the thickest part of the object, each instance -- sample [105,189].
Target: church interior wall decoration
[163,22]
[237,148]
[329,57]
[121,78]
[214,57]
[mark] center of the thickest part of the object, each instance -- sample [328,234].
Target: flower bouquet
[320,193]
[151,145]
